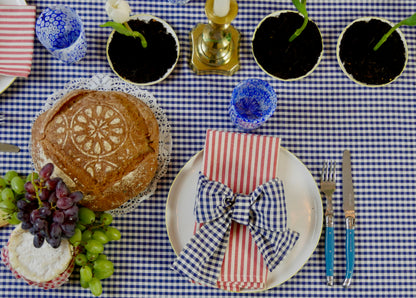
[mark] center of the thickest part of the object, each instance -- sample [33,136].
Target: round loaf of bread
[102,143]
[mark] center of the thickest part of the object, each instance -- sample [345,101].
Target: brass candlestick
[215,46]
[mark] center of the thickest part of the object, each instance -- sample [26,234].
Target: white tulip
[118,10]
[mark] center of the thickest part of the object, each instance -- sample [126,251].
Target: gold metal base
[201,68]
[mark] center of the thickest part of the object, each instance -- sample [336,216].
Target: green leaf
[301,7]
[410,21]
[120,28]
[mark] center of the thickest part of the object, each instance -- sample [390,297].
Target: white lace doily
[101,82]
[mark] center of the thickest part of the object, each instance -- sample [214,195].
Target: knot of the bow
[263,211]
[264,207]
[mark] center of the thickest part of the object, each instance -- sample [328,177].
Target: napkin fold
[242,163]
[17,31]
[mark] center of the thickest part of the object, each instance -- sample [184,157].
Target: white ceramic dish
[169,29]
[276,14]
[366,19]
[304,208]
[6,81]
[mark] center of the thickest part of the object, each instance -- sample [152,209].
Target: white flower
[118,10]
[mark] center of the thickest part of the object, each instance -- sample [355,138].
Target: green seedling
[411,21]
[126,30]
[301,7]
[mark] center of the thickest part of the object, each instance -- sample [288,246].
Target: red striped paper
[242,162]
[17,29]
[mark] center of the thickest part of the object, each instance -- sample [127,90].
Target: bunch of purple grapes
[49,210]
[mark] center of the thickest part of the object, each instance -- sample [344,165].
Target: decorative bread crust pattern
[103,143]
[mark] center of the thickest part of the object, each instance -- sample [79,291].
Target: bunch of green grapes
[12,189]
[92,232]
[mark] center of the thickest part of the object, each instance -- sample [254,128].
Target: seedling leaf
[410,21]
[126,30]
[301,7]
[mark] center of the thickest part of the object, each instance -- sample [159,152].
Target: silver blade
[347,186]
[8,148]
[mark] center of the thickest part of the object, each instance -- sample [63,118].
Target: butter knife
[8,148]
[348,206]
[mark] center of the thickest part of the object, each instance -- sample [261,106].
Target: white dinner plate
[6,81]
[304,208]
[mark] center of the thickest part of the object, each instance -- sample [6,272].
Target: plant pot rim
[169,29]
[367,19]
[276,14]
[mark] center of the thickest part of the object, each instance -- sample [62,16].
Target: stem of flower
[137,34]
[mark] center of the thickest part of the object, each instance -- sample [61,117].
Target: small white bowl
[367,19]
[169,29]
[276,14]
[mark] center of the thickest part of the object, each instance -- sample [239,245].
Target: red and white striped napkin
[17,31]
[242,162]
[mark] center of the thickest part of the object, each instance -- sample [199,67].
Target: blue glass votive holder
[253,101]
[60,30]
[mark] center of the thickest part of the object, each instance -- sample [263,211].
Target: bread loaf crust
[102,143]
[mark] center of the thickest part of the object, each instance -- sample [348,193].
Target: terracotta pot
[364,66]
[281,59]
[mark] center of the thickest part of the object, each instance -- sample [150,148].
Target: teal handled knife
[348,206]
[8,148]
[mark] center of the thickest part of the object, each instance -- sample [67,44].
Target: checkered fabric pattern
[317,118]
[264,211]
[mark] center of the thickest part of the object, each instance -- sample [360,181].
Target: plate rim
[319,220]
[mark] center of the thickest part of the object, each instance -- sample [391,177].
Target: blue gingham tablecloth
[317,118]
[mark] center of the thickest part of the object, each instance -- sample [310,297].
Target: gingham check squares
[263,211]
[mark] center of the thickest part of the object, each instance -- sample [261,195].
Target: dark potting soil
[368,66]
[141,65]
[282,58]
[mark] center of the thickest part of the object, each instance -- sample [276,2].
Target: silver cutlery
[348,206]
[328,186]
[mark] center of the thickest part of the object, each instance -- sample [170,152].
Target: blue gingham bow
[263,211]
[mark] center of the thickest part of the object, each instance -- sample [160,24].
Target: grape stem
[36,190]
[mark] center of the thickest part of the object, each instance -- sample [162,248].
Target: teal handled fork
[328,186]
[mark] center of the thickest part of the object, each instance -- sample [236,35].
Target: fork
[2,118]
[328,186]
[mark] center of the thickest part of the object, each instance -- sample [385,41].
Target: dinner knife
[348,206]
[8,148]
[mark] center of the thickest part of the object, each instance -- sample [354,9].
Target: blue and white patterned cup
[61,32]
[253,101]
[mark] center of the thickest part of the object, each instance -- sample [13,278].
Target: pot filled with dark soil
[358,59]
[144,66]
[283,59]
